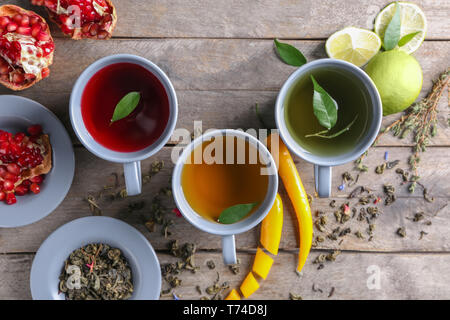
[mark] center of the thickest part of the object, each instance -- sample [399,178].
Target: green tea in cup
[353,112]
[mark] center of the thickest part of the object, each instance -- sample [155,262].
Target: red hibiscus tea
[143,126]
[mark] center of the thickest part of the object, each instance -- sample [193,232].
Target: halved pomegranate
[24,162]
[26,48]
[81,19]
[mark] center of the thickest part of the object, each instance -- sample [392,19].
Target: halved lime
[354,45]
[412,20]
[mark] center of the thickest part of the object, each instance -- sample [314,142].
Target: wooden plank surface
[256,19]
[401,276]
[92,174]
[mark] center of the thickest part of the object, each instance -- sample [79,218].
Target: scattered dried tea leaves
[235,268]
[401,232]
[294,296]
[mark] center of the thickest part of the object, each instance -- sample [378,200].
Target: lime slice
[412,20]
[354,45]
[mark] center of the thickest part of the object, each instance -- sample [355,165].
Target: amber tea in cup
[235,176]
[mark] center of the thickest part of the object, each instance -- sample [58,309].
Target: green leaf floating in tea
[235,213]
[326,111]
[289,54]
[334,135]
[392,33]
[325,107]
[126,106]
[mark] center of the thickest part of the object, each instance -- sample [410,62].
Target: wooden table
[220,58]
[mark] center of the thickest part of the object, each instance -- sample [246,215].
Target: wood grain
[402,276]
[92,174]
[310,19]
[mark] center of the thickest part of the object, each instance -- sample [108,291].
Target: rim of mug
[86,138]
[214,227]
[362,145]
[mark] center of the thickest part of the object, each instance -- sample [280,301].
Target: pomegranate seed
[18,78]
[18,138]
[29,77]
[86,27]
[4,69]
[26,31]
[102,34]
[18,18]
[2,195]
[4,21]
[12,26]
[35,188]
[10,198]
[35,29]
[13,168]
[25,21]
[93,30]
[35,130]
[34,20]
[43,36]
[8,185]
[37,179]
[27,183]
[45,72]
[21,190]
[3,171]
[11,177]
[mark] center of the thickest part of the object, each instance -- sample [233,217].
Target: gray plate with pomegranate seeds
[16,115]
[49,260]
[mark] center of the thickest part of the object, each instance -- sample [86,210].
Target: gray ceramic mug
[323,164]
[226,231]
[131,160]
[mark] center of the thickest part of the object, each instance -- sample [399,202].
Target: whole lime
[398,78]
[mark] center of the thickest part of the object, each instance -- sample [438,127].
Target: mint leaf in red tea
[289,54]
[126,106]
[235,213]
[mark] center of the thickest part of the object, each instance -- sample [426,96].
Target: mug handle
[229,250]
[133,178]
[322,176]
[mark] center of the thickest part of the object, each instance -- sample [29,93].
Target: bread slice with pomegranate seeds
[80,33]
[43,142]
[10,11]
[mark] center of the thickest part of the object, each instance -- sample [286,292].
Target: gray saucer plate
[49,260]
[16,114]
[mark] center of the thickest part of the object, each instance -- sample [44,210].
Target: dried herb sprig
[420,119]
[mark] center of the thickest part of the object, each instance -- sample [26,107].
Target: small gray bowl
[16,114]
[49,260]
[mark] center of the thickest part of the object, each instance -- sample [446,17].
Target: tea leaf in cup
[235,213]
[290,54]
[126,106]
[392,33]
[407,38]
[325,107]
[334,135]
